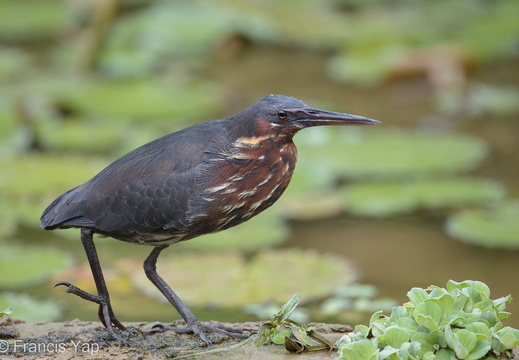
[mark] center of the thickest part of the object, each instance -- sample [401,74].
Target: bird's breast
[244,182]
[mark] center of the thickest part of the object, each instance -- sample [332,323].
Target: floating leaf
[395,336]
[481,349]
[493,227]
[29,309]
[37,174]
[445,354]
[359,350]
[82,136]
[356,297]
[32,181]
[271,275]
[390,153]
[446,304]
[461,341]
[480,329]
[24,266]
[480,287]
[428,327]
[383,199]
[14,61]
[140,100]
[417,296]
[311,194]
[265,230]
[484,99]
[43,19]
[175,32]
[428,314]
[509,336]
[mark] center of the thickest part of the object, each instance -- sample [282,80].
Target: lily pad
[141,100]
[32,19]
[207,279]
[384,199]
[29,309]
[164,31]
[14,62]
[265,230]
[389,153]
[497,226]
[24,266]
[42,174]
[31,182]
[13,137]
[312,192]
[94,137]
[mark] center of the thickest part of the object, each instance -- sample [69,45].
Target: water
[395,254]
[400,253]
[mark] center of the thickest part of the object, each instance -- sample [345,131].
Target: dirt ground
[89,340]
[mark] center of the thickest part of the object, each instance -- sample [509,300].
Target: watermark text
[34,347]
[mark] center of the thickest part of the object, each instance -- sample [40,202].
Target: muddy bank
[89,340]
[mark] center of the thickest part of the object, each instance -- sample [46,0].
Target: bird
[199,180]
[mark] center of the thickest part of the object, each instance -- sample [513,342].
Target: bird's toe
[199,329]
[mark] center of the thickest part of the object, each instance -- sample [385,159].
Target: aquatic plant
[459,321]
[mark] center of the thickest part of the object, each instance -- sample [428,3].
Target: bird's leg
[193,325]
[106,314]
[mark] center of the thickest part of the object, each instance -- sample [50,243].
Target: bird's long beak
[307,117]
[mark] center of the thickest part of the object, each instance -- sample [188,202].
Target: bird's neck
[271,147]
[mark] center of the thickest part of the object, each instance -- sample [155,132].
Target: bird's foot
[106,314]
[199,327]
[72,289]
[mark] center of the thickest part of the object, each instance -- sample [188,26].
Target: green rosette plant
[456,322]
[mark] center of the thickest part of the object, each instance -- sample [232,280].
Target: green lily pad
[384,199]
[39,174]
[24,266]
[32,19]
[14,62]
[374,153]
[13,137]
[497,226]
[484,99]
[141,100]
[265,230]
[29,309]
[31,182]
[312,192]
[94,137]
[164,32]
[79,136]
[271,275]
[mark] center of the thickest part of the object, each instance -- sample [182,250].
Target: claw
[198,329]
[64,283]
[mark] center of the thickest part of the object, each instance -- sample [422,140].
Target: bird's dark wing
[145,190]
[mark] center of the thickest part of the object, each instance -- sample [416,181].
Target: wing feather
[145,190]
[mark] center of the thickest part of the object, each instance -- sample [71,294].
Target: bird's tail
[65,212]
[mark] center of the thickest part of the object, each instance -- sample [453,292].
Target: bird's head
[283,116]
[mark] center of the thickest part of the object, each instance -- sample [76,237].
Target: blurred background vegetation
[428,196]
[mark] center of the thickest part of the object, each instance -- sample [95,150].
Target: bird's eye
[282,115]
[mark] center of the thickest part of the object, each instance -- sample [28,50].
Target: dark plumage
[202,179]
